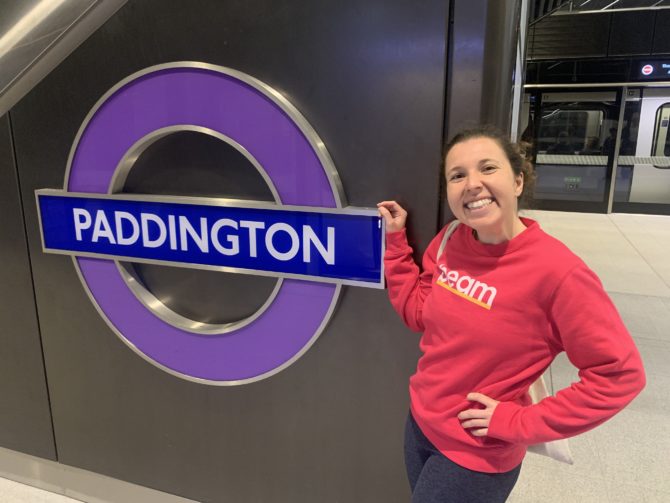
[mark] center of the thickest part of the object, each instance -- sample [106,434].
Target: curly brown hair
[518,155]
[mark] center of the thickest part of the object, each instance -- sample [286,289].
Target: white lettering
[253,227]
[443,276]
[145,218]
[452,278]
[173,232]
[485,289]
[469,287]
[281,240]
[326,252]
[101,229]
[200,240]
[119,217]
[80,224]
[295,241]
[464,289]
[234,240]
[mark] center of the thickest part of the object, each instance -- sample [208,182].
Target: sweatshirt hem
[505,460]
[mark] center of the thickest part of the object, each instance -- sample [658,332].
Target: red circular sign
[647,69]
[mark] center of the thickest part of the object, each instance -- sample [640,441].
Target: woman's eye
[455,177]
[489,168]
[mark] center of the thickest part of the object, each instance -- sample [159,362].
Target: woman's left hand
[478,419]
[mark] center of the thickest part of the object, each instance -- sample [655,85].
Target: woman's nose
[473,181]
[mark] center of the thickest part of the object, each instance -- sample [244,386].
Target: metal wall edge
[60,49]
[75,482]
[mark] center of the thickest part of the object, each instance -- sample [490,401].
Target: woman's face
[482,188]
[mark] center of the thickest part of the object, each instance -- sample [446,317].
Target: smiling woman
[486,175]
[482,189]
[495,308]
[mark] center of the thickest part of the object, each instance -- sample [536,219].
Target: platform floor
[625,460]
[14,492]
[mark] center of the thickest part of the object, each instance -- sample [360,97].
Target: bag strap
[450,230]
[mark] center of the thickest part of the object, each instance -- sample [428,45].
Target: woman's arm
[588,327]
[407,286]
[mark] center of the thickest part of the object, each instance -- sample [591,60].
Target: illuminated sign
[309,238]
[284,241]
[650,70]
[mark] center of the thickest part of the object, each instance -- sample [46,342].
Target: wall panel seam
[15,161]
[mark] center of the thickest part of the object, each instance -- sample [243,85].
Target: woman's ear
[518,182]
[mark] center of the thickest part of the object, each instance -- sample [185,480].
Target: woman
[495,308]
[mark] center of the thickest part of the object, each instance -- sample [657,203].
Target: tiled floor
[13,492]
[626,459]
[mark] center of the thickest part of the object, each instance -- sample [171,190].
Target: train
[573,133]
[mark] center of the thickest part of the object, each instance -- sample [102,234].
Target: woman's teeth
[479,204]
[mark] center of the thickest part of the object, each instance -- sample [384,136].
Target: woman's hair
[518,155]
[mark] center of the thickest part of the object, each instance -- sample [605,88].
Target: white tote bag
[556,449]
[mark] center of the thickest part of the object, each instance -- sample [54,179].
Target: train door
[574,136]
[643,181]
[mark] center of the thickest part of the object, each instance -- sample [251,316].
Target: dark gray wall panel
[570,36]
[661,44]
[631,33]
[602,35]
[369,76]
[500,62]
[482,55]
[25,420]
[481,63]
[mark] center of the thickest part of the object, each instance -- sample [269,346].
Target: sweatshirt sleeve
[407,286]
[588,327]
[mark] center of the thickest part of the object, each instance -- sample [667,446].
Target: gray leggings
[436,479]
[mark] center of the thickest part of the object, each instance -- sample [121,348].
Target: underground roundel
[306,238]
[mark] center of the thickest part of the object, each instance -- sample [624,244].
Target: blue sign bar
[320,244]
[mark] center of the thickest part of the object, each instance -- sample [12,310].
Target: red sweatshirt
[493,318]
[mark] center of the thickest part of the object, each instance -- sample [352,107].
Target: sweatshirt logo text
[464,286]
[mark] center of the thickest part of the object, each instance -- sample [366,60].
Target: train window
[661,145]
[570,131]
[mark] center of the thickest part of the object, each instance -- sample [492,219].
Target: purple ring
[243,109]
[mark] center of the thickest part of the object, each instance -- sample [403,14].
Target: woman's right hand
[394,215]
